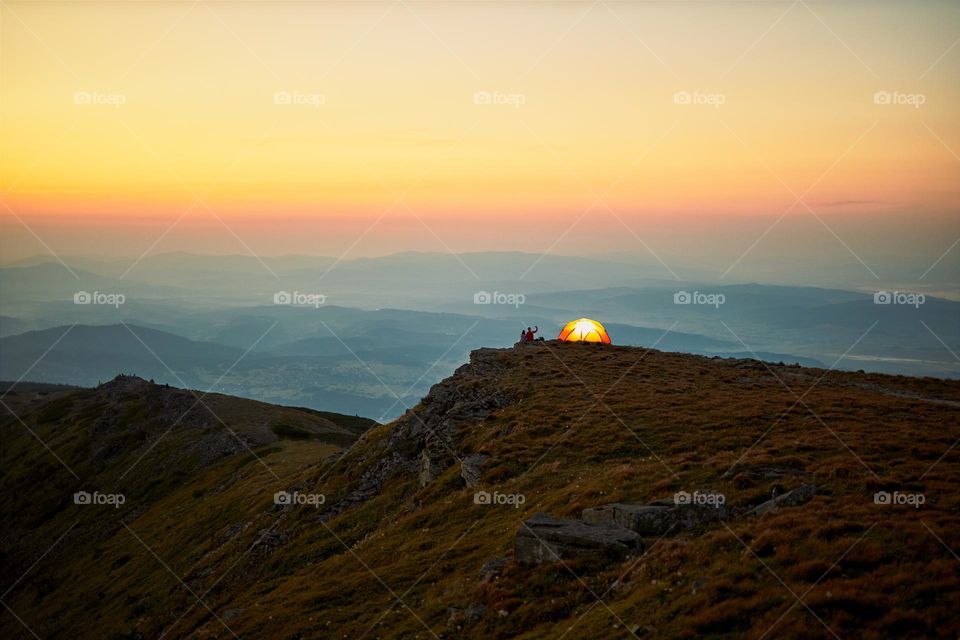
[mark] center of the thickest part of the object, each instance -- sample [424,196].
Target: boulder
[654,519]
[793,498]
[543,538]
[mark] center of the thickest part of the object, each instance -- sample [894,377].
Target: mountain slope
[398,546]
[151,444]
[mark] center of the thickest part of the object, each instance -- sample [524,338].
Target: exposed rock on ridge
[423,440]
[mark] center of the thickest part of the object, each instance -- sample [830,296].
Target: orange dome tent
[584,330]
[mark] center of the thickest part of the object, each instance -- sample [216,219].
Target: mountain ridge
[571,428]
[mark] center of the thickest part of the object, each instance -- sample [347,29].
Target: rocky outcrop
[156,410]
[468,397]
[371,482]
[794,498]
[654,519]
[423,440]
[123,386]
[543,538]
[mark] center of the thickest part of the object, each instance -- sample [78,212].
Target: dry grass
[395,565]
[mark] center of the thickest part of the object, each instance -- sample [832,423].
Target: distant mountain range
[374,363]
[382,330]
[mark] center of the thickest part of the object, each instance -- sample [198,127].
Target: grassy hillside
[163,449]
[200,549]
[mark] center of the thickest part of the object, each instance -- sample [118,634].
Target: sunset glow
[348,116]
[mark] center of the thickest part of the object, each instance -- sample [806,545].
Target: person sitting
[531,332]
[523,335]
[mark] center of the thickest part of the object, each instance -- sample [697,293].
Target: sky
[354,129]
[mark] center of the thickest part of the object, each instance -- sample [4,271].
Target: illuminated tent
[584,330]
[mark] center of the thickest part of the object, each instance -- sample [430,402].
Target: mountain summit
[544,490]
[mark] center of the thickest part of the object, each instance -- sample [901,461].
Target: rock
[764,472]
[793,498]
[430,468]
[654,519]
[493,567]
[543,538]
[663,502]
[457,617]
[231,614]
[470,468]
[268,542]
[643,519]
[474,612]
[746,363]
[423,440]
[370,483]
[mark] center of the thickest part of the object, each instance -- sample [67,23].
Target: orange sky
[129,127]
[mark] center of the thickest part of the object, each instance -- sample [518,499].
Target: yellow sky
[126,113]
